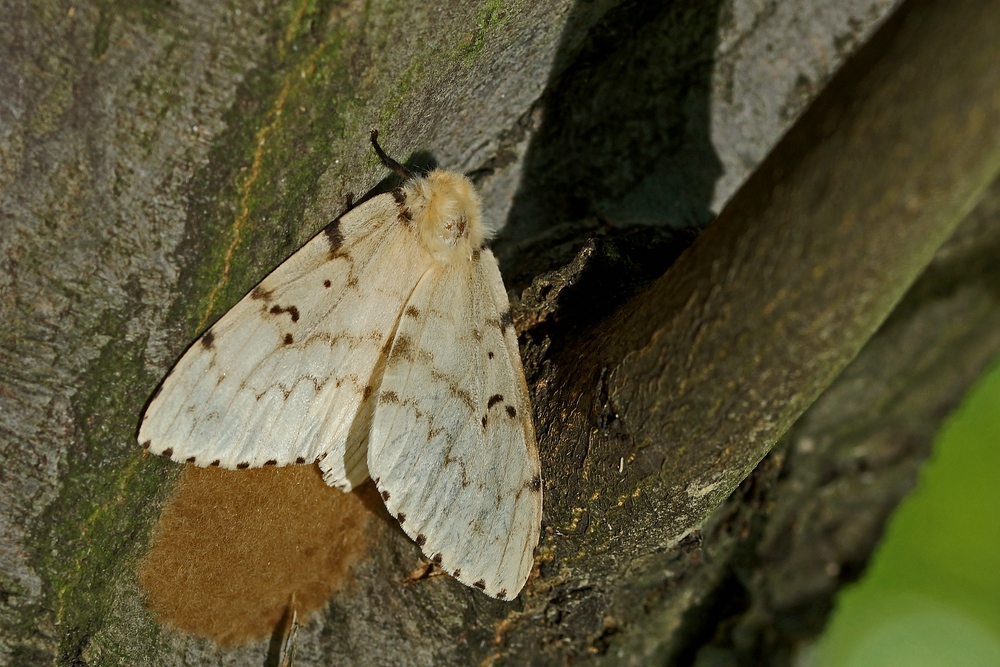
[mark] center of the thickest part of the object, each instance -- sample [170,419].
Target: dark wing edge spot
[333,235]
[261,294]
[506,319]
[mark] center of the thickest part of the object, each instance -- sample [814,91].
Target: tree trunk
[722,441]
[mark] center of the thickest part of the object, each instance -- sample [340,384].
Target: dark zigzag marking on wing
[429,485]
[486,303]
[194,420]
[467,549]
[286,393]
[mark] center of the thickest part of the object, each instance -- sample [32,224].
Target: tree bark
[157,160]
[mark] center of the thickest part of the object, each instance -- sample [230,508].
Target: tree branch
[709,367]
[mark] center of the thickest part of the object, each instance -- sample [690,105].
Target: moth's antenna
[404,173]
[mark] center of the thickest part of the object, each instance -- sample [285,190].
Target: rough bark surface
[158,158]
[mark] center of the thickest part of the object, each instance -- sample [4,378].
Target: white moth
[383,347]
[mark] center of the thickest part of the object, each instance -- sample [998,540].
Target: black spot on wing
[271,462]
[168,452]
[243,466]
[402,348]
[494,399]
[489,354]
[502,595]
[400,197]
[436,559]
[421,540]
[401,518]
[412,311]
[288,339]
[261,294]
[326,283]
[215,463]
[192,459]
[457,573]
[385,495]
[506,319]
[146,444]
[207,339]
[481,585]
[334,236]
[292,311]
[511,411]
[300,460]
[504,322]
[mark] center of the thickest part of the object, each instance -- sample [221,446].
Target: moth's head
[445,207]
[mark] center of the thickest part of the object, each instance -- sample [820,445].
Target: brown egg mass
[232,548]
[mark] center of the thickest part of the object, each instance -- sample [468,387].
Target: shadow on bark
[622,151]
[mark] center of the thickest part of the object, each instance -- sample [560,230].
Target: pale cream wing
[288,374]
[453,446]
